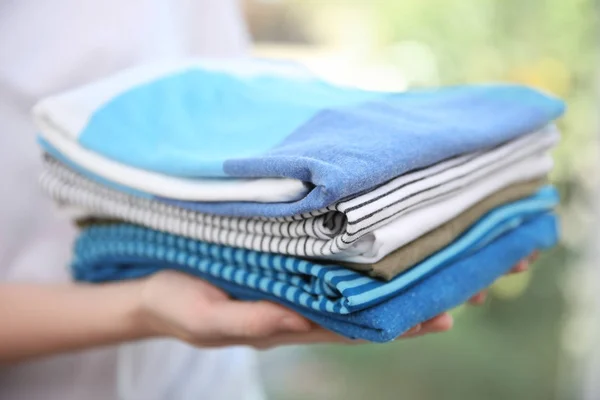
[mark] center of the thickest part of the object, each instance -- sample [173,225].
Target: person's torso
[47,47]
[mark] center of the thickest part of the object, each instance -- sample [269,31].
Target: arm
[43,319]
[38,320]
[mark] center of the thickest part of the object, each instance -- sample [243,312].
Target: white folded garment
[377,244]
[339,229]
[60,118]
[262,190]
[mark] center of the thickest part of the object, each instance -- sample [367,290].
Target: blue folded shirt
[202,122]
[337,298]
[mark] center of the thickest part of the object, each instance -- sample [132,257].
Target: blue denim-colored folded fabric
[339,299]
[442,291]
[200,122]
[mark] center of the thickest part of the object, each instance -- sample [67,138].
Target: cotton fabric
[334,232]
[106,253]
[341,141]
[416,251]
[324,288]
[412,253]
[440,292]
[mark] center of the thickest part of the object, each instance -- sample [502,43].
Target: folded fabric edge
[328,289]
[58,109]
[416,251]
[283,190]
[146,184]
[320,230]
[458,282]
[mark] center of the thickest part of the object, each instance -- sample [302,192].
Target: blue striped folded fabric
[197,121]
[339,299]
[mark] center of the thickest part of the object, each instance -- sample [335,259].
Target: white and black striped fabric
[320,233]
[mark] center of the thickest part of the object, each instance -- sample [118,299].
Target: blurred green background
[530,340]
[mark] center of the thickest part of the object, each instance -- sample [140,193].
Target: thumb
[236,319]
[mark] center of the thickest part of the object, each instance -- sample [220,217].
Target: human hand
[178,305]
[181,306]
[522,266]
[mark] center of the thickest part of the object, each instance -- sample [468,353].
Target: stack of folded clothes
[366,212]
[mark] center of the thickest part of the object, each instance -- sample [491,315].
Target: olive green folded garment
[82,223]
[435,240]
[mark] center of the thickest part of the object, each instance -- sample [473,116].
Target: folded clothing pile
[367,212]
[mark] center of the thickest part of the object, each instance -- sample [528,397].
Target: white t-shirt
[49,46]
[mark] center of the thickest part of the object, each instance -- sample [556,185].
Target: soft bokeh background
[534,337]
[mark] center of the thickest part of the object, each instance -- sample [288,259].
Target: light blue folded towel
[339,299]
[200,122]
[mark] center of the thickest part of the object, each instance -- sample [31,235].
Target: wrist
[134,319]
[145,314]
